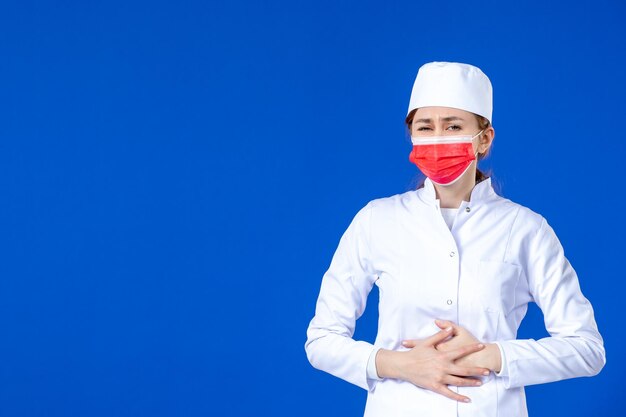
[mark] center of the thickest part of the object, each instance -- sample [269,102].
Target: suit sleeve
[342,299]
[575,347]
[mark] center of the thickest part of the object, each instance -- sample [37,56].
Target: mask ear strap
[476,154]
[478,133]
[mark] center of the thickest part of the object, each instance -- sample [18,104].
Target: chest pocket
[497,284]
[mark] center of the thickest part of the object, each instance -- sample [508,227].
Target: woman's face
[447,121]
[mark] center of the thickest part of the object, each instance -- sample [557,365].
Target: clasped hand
[449,357]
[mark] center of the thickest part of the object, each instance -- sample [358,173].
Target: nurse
[456,266]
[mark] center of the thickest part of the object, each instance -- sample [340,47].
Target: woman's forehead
[436,113]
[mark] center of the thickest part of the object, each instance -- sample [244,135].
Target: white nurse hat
[451,84]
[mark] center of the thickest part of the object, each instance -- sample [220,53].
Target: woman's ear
[486,139]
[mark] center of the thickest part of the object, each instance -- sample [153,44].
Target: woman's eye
[423,128]
[454,127]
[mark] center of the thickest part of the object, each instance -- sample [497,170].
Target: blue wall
[175,177]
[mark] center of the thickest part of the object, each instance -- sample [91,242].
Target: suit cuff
[371,366]
[504,371]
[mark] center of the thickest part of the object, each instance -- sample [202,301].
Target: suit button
[452,254]
[449,302]
[467,209]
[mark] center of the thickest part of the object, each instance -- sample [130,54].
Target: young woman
[456,266]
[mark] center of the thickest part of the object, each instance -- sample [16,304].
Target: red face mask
[443,159]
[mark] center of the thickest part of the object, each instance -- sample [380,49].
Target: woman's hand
[486,358]
[460,336]
[426,367]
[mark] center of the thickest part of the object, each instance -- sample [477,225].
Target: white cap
[451,84]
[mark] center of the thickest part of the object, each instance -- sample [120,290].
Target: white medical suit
[497,257]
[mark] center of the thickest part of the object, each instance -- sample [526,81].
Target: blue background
[175,177]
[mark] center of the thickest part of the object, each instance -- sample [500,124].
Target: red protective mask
[443,159]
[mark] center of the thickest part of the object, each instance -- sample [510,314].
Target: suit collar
[480,193]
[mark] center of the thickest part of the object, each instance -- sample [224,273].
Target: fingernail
[449,329]
[486,373]
[481,345]
[478,383]
[467,400]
